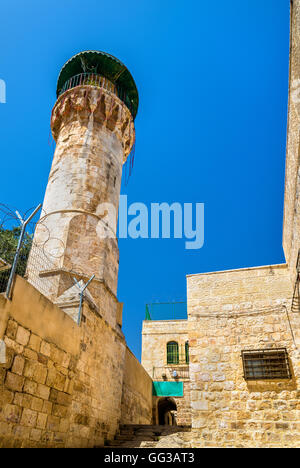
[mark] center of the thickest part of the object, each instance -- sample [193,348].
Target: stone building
[230,370]
[243,330]
[165,356]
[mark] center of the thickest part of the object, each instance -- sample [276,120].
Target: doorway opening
[167,412]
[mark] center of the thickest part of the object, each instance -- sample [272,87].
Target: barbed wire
[40,253]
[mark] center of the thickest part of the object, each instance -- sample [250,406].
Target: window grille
[261,364]
[177,354]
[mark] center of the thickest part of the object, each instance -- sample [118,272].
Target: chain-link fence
[5,268]
[15,244]
[40,272]
[36,267]
[166,311]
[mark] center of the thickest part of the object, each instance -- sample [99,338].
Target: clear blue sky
[211,126]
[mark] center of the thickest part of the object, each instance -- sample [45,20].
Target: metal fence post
[81,296]
[16,257]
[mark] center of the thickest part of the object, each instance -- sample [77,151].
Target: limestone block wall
[137,392]
[61,385]
[229,312]
[155,336]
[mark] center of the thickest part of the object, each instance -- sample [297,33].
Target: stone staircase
[143,436]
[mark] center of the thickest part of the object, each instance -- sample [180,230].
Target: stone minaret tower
[93,125]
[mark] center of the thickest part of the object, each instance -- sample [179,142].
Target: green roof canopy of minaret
[94,61]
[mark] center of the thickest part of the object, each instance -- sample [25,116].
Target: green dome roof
[105,65]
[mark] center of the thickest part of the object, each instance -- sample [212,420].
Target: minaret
[93,125]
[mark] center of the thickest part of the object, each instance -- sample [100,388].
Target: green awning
[174,389]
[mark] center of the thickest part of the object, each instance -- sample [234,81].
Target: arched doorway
[167,412]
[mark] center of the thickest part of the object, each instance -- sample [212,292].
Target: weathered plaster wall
[136,393]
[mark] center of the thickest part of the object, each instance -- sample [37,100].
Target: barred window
[172,353]
[261,364]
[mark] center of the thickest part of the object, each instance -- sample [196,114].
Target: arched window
[172,353]
[187,356]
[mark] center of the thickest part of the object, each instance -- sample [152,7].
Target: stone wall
[229,312]
[155,336]
[61,385]
[250,309]
[291,221]
[137,392]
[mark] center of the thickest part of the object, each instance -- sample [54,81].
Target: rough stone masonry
[233,311]
[69,385]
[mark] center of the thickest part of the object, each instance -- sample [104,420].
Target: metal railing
[93,79]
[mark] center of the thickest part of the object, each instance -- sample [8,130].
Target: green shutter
[187,356]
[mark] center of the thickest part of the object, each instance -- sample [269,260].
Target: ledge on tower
[90,67]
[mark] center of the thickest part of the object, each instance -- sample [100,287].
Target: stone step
[145,438]
[144,432]
[113,443]
[153,428]
[129,445]
[140,445]
[143,426]
[143,435]
[139,432]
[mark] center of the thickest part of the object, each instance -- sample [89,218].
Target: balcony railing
[93,79]
[166,373]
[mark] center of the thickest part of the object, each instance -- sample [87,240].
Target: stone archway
[166,412]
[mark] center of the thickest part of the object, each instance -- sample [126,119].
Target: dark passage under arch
[165,408]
